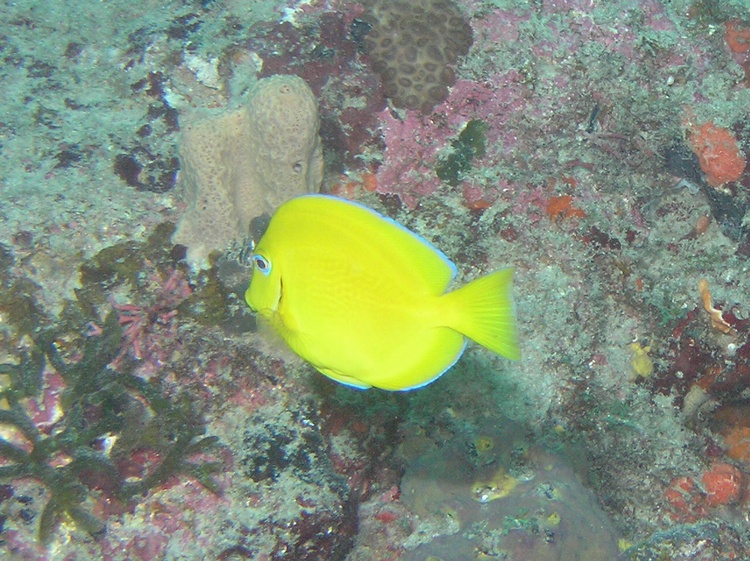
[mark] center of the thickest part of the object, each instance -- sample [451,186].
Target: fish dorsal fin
[418,261]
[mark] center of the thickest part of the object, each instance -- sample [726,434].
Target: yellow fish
[364,300]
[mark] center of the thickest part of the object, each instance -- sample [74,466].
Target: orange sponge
[737,36]
[723,484]
[719,156]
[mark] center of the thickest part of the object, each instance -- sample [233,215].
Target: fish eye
[262,264]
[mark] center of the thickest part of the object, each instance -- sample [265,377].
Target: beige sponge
[246,162]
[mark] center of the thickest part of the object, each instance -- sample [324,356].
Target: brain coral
[412,45]
[243,163]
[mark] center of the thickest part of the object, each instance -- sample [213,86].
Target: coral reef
[417,145]
[288,451]
[78,414]
[706,540]
[143,163]
[81,428]
[696,357]
[737,38]
[246,162]
[561,149]
[494,493]
[154,380]
[413,46]
[325,51]
[470,144]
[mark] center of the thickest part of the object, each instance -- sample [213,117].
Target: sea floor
[598,148]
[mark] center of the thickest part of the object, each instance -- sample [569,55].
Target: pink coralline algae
[414,144]
[147,329]
[526,100]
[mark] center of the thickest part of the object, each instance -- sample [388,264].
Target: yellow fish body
[364,300]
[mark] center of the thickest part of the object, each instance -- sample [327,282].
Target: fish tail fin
[483,310]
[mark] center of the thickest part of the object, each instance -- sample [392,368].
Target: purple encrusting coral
[142,416]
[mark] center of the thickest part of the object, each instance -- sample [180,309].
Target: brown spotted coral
[413,46]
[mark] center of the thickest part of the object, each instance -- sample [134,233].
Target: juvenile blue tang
[364,300]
